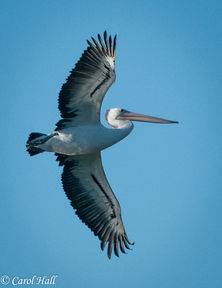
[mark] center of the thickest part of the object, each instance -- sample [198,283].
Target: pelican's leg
[43,139]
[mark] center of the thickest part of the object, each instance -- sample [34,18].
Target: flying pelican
[80,137]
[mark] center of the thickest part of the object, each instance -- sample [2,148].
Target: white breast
[84,139]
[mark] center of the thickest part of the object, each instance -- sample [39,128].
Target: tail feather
[32,150]
[35,135]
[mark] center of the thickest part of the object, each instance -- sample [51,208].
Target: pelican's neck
[126,129]
[125,125]
[119,133]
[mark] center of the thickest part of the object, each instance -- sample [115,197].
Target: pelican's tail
[32,143]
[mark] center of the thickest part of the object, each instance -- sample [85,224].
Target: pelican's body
[80,137]
[85,139]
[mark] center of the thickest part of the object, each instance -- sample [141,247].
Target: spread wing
[81,96]
[90,194]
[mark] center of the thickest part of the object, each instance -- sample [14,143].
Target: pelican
[79,138]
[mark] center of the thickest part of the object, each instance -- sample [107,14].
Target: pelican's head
[119,118]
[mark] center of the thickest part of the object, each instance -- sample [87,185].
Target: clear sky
[167,178]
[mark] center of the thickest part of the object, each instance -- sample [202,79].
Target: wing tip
[106,43]
[116,244]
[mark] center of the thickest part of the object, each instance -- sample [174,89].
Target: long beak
[127,115]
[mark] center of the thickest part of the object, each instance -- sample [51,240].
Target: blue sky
[167,178]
